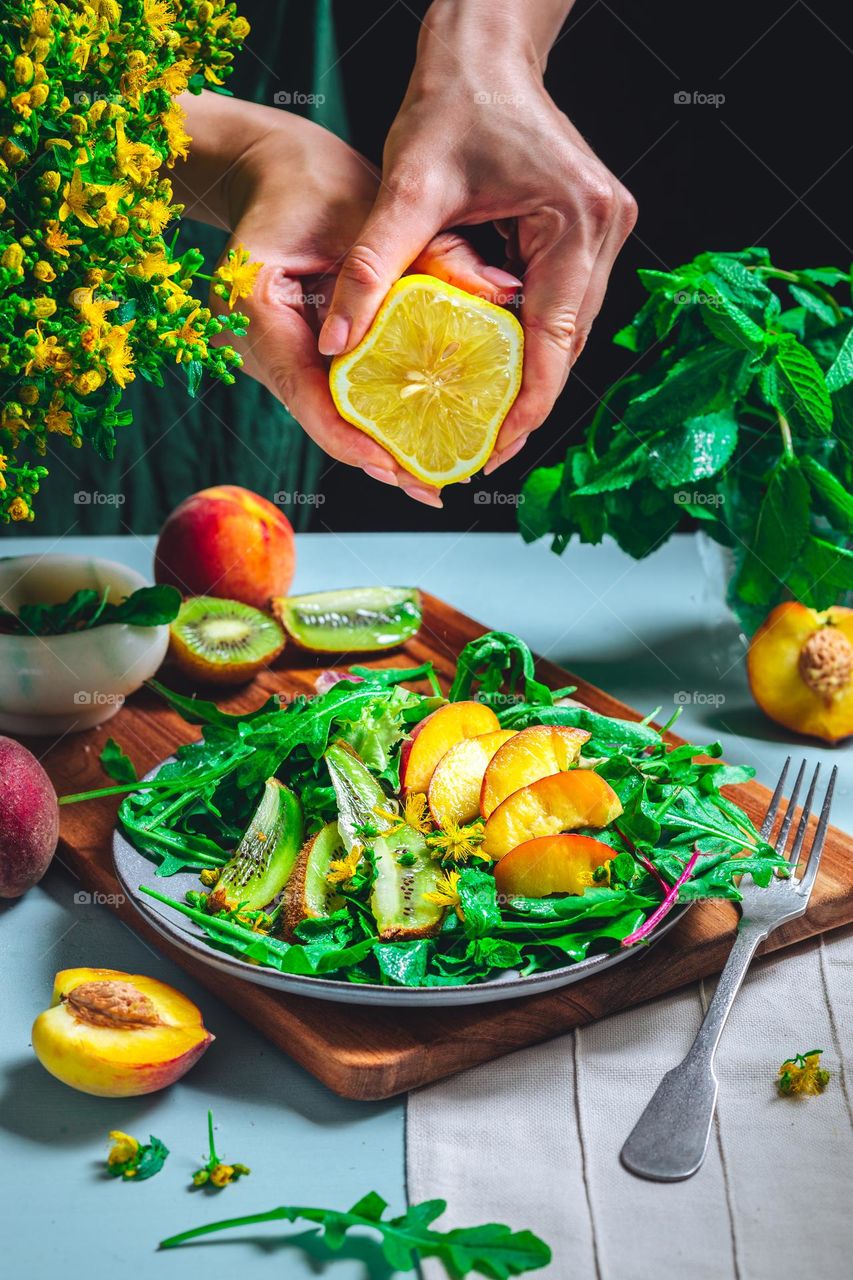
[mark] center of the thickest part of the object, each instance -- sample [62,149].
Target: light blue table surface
[653,633]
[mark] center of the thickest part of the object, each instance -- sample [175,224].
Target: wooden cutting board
[366,1053]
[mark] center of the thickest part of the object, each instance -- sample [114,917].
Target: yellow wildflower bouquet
[91,293]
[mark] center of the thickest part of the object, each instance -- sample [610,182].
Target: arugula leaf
[116,764]
[492,1250]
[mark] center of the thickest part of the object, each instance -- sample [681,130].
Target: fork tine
[810,873]
[770,816]
[802,826]
[788,817]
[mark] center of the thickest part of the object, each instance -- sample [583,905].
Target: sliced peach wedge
[435,735]
[551,864]
[455,786]
[562,802]
[117,1034]
[532,754]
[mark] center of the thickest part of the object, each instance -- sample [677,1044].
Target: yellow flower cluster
[91,294]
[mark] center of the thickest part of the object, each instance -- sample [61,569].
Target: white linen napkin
[533,1139]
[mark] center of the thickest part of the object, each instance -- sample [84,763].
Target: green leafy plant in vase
[738,412]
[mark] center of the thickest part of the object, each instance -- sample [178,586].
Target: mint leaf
[794,384]
[840,372]
[830,495]
[535,517]
[813,303]
[821,574]
[779,534]
[147,607]
[733,326]
[696,451]
[699,383]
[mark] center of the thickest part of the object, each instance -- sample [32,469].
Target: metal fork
[670,1139]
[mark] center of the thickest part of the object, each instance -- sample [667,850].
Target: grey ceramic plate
[134,869]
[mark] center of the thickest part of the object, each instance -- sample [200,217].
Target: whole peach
[227,542]
[29,819]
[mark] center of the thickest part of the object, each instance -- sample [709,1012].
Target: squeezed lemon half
[433,378]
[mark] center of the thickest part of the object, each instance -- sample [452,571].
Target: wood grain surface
[367,1053]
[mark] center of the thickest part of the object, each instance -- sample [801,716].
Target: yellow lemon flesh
[433,378]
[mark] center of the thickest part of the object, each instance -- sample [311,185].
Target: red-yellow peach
[29,819]
[563,802]
[436,734]
[454,789]
[117,1034]
[532,754]
[551,864]
[227,542]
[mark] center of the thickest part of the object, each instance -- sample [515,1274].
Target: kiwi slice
[223,641]
[365,619]
[405,867]
[266,855]
[308,893]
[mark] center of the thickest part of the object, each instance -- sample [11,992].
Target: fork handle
[670,1139]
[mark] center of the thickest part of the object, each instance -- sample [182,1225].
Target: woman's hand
[296,197]
[478,139]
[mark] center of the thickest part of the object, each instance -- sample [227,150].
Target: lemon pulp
[433,378]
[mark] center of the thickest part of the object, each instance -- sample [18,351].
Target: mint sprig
[739,414]
[492,1250]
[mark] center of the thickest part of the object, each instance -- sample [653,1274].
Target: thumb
[396,231]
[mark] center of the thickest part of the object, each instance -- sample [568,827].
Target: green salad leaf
[491,1250]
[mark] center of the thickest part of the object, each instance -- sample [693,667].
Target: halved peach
[551,864]
[563,802]
[534,753]
[436,734]
[454,789]
[117,1034]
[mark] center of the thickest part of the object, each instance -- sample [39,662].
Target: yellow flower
[414,814]
[186,334]
[19,510]
[803,1074]
[58,240]
[93,311]
[154,263]
[176,136]
[134,160]
[159,17]
[222,1174]
[238,272]
[124,1147]
[342,870]
[446,893]
[156,213]
[57,419]
[45,353]
[174,79]
[117,353]
[89,381]
[112,194]
[459,843]
[76,196]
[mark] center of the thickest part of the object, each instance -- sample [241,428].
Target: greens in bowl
[373,834]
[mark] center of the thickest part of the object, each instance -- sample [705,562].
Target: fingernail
[498,459]
[381,474]
[427,496]
[501,278]
[334,335]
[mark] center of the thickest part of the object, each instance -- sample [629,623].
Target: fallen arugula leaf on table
[116,764]
[85,609]
[492,1250]
[740,416]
